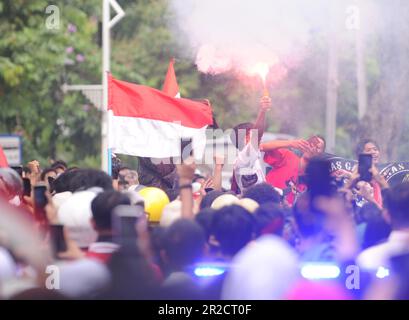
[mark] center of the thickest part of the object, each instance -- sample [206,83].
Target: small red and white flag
[170,86]
[3,159]
[147,122]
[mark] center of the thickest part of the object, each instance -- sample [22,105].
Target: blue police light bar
[208,271]
[204,270]
[318,271]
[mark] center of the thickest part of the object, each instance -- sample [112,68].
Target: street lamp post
[107,24]
[97,93]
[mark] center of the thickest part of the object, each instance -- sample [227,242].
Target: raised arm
[218,171]
[300,144]
[260,124]
[186,172]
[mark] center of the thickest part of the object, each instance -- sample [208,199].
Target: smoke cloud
[238,35]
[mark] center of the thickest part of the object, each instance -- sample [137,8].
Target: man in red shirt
[288,167]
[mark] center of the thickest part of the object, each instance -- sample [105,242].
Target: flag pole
[107,24]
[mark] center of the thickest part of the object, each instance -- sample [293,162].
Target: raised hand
[378,177]
[186,170]
[302,145]
[265,103]
[365,190]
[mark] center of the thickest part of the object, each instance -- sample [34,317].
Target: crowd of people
[164,231]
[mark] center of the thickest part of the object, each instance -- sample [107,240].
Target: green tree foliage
[34,62]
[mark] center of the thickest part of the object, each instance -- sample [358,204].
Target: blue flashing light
[382,272]
[208,271]
[318,271]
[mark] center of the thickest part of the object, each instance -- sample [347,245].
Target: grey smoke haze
[234,35]
[237,34]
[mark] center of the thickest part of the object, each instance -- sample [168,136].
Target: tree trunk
[360,74]
[332,86]
[389,102]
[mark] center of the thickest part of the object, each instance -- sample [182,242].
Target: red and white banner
[147,122]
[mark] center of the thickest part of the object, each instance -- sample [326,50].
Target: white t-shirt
[83,278]
[248,169]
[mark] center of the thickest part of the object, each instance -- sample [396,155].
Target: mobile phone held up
[57,239]
[26,187]
[124,221]
[364,165]
[186,148]
[40,198]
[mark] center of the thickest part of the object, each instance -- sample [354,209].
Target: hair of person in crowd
[377,230]
[59,166]
[269,219]
[132,277]
[323,140]
[84,179]
[60,163]
[157,234]
[309,223]
[237,134]
[11,184]
[26,171]
[204,218]
[360,147]
[63,182]
[263,193]
[184,244]
[172,194]
[209,198]
[47,171]
[367,212]
[102,207]
[232,228]
[123,170]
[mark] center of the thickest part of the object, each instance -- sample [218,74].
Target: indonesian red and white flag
[170,86]
[147,122]
[3,159]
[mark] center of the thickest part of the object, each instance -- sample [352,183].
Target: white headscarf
[75,214]
[60,198]
[263,270]
[171,212]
